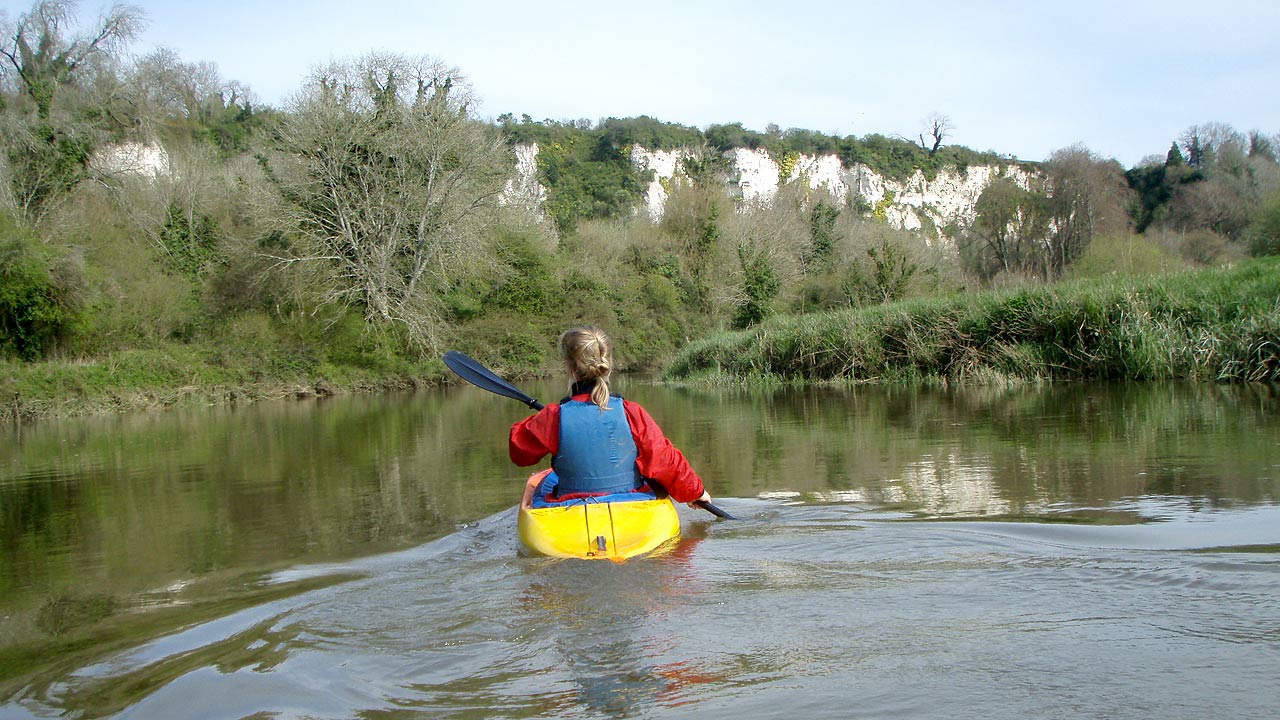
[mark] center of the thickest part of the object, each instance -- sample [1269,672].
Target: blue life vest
[597,453]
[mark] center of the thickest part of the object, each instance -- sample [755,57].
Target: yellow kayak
[599,530]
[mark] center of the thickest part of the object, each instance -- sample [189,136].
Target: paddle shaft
[472,371]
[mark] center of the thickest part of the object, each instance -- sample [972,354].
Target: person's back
[597,452]
[600,443]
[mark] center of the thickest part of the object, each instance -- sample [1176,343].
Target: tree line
[365,224]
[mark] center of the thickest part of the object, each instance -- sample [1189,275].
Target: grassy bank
[177,374]
[1221,324]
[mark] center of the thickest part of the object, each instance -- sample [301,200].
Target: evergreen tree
[822,234]
[1174,158]
[1195,152]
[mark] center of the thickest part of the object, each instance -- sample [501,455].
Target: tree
[1233,173]
[1214,146]
[182,101]
[46,58]
[1011,223]
[760,285]
[1261,147]
[46,140]
[939,127]
[41,293]
[1195,149]
[1221,203]
[822,236]
[176,89]
[383,179]
[1086,196]
[41,163]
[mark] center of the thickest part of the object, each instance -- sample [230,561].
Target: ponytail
[589,355]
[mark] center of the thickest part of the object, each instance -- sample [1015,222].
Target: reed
[1219,324]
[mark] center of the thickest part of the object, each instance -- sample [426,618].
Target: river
[1069,551]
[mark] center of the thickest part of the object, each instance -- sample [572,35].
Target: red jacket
[539,435]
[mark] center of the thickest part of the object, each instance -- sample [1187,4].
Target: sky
[1025,78]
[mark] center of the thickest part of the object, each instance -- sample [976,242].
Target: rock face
[931,205]
[665,164]
[524,190]
[133,158]
[948,200]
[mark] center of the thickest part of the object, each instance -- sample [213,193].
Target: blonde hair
[589,355]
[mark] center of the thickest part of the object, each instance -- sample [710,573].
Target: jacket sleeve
[658,459]
[535,436]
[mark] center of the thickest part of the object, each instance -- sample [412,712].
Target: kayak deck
[599,530]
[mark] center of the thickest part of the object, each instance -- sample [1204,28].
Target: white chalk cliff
[131,158]
[950,198]
[524,190]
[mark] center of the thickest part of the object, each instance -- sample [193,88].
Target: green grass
[1221,324]
[178,373]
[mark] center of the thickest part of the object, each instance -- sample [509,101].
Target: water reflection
[595,616]
[987,451]
[118,529]
[609,624]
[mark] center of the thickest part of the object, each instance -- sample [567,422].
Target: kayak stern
[599,530]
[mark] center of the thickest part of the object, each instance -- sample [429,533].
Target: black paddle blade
[714,510]
[482,377]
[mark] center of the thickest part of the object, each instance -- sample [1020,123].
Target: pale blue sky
[1020,78]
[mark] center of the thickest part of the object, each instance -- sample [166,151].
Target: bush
[1123,255]
[1264,232]
[40,294]
[531,287]
[188,243]
[760,285]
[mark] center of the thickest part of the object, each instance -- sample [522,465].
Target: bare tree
[46,56]
[1215,146]
[1086,196]
[938,126]
[1010,226]
[46,141]
[1221,204]
[1236,171]
[382,181]
[40,166]
[175,88]
[166,93]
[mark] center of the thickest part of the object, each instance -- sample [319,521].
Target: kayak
[613,527]
[599,530]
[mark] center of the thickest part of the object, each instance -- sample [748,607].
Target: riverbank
[1215,325]
[179,374]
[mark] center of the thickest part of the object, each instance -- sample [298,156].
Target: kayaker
[600,443]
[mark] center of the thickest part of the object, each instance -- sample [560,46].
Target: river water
[1084,551]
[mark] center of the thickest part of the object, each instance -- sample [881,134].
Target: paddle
[469,369]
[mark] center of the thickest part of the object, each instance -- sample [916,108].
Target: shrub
[40,294]
[759,287]
[1264,232]
[531,286]
[188,242]
[1123,255]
